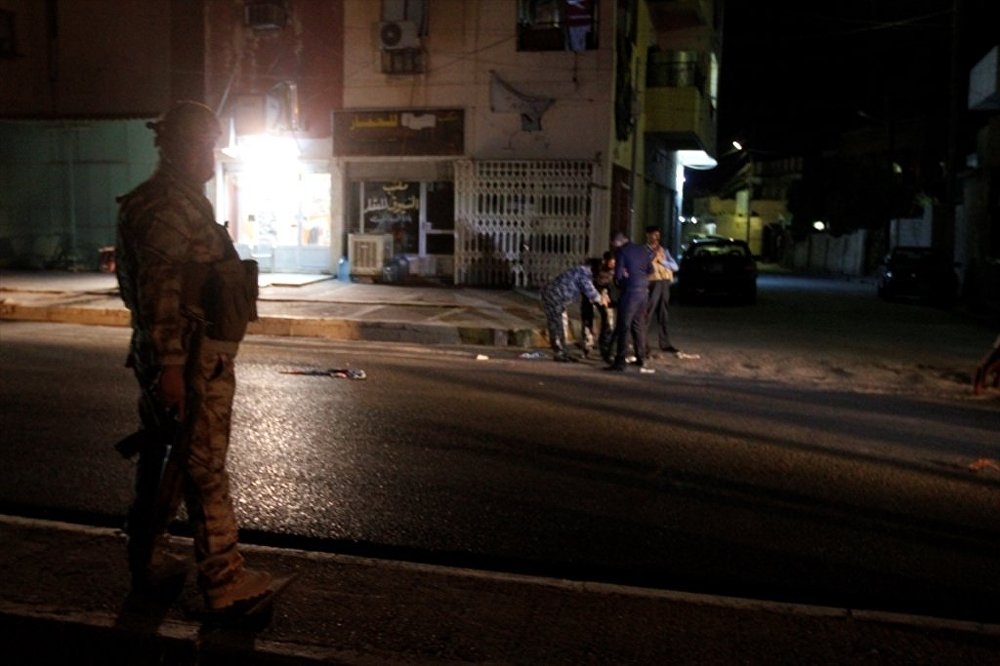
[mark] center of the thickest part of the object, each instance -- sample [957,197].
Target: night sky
[796,72]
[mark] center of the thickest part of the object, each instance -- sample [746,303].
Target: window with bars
[557,25]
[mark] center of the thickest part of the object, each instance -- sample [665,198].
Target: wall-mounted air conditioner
[395,35]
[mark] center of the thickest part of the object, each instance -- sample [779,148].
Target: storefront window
[419,215]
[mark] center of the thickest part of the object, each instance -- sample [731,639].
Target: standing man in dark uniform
[633,264]
[170,254]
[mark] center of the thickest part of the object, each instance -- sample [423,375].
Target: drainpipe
[635,150]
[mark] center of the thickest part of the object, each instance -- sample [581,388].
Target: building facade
[481,142]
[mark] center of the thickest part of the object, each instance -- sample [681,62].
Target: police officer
[167,243]
[633,264]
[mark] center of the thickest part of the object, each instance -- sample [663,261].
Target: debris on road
[534,354]
[984,463]
[339,373]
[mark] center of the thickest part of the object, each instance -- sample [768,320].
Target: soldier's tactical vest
[226,291]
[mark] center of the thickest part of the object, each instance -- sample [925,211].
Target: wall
[838,255]
[468,39]
[60,180]
[108,58]
[308,51]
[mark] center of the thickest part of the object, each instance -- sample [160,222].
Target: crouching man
[564,289]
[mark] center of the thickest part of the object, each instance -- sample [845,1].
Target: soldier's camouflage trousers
[202,480]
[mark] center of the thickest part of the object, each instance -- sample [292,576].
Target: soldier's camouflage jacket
[166,228]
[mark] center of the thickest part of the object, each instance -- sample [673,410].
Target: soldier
[170,256]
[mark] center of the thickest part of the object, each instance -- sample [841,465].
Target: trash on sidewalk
[647,371]
[685,355]
[482,357]
[534,354]
[339,373]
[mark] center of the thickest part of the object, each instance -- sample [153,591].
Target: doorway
[420,216]
[282,219]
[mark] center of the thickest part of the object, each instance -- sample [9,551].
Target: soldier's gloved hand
[171,389]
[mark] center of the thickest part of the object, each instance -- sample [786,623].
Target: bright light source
[819,225]
[271,151]
[696,159]
[737,145]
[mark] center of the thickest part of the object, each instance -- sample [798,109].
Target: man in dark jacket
[633,264]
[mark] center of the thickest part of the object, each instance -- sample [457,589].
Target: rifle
[172,437]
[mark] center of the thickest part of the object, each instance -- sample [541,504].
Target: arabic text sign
[399,132]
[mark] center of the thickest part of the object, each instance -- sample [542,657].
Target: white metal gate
[521,222]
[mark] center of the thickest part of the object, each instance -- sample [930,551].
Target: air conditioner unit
[395,35]
[368,254]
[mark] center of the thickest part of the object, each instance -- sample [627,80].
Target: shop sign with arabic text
[399,132]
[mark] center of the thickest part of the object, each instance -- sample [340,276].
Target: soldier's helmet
[186,120]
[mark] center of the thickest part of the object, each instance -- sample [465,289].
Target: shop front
[399,211]
[276,203]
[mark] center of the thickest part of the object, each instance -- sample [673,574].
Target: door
[437,229]
[420,216]
[282,219]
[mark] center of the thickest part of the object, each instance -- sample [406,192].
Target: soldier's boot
[246,586]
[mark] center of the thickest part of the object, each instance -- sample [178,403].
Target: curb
[306,327]
[87,628]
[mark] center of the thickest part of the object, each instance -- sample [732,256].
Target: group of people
[628,288]
[182,281]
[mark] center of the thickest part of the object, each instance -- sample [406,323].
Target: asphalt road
[708,483]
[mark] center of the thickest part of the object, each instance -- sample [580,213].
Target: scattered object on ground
[984,463]
[647,371]
[339,373]
[988,372]
[534,354]
[482,357]
[685,355]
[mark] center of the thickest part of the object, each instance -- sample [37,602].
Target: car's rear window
[719,250]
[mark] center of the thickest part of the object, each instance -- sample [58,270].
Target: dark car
[718,267]
[920,274]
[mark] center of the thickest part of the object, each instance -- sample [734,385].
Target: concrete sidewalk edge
[331,328]
[181,635]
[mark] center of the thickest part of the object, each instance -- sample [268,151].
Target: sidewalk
[306,306]
[64,599]
[63,596]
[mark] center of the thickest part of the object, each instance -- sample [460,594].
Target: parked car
[716,266]
[920,274]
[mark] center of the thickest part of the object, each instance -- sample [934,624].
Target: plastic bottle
[344,270]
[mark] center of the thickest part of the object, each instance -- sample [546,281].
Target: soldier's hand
[171,389]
